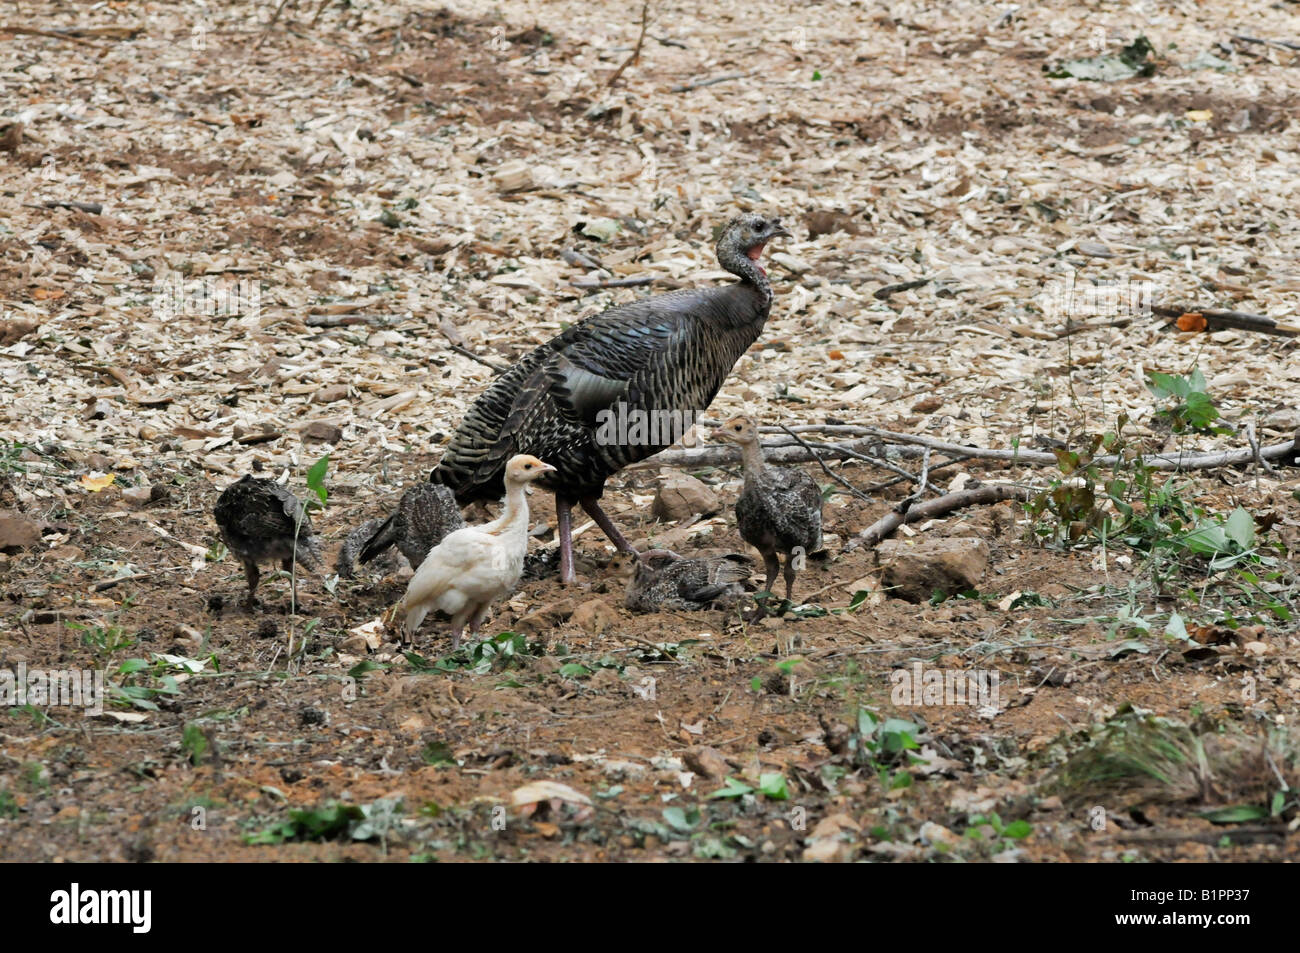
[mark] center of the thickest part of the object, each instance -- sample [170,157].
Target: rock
[827,842]
[514,176]
[544,619]
[323,431]
[594,617]
[707,762]
[330,393]
[18,532]
[828,222]
[139,495]
[13,331]
[915,570]
[681,496]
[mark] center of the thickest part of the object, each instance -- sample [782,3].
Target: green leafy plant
[1188,409]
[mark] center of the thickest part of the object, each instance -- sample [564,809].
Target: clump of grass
[1136,758]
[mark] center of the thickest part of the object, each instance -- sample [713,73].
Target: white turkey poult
[477,565]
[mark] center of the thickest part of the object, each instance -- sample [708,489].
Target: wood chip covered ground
[229,245]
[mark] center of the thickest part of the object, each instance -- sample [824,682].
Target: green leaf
[734,788]
[773,786]
[1235,814]
[316,477]
[1018,830]
[365,665]
[132,665]
[680,820]
[1240,528]
[574,670]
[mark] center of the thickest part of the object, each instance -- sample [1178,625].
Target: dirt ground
[358,172]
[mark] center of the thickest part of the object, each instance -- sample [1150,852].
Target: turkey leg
[564,530]
[592,506]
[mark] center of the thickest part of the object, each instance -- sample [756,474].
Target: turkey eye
[528,466]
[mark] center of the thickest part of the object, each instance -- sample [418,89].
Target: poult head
[525,468]
[747,234]
[624,565]
[740,430]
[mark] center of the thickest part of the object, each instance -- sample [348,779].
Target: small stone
[322,431]
[139,495]
[330,393]
[915,570]
[17,532]
[594,617]
[681,496]
[1093,250]
[707,762]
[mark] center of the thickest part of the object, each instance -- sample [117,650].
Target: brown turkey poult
[258,519]
[660,580]
[644,361]
[425,514]
[779,511]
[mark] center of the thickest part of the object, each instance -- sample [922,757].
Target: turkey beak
[546,468]
[780,231]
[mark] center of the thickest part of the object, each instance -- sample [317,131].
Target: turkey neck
[738,262]
[751,456]
[514,518]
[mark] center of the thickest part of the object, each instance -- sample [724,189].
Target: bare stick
[885,526]
[834,476]
[636,52]
[1225,320]
[700,84]
[31,31]
[466,352]
[615,283]
[925,478]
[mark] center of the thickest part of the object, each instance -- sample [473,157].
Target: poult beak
[779,230]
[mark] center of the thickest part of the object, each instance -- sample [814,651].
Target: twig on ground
[827,470]
[885,526]
[635,282]
[636,52]
[700,84]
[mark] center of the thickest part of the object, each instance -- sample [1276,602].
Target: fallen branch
[871,437]
[636,52]
[883,294]
[338,320]
[93,208]
[1284,44]
[636,282]
[700,84]
[51,34]
[827,470]
[979,496]
[1190,320]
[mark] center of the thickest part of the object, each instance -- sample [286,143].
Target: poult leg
[789,577]
[251,574]
[772,565]
[592,507]
[476,620]
[564,530]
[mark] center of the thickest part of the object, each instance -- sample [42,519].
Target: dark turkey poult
[661,580]
[258,519]
[425,514]
[779,511]
[614,388]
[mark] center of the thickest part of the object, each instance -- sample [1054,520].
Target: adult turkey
[661,359]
